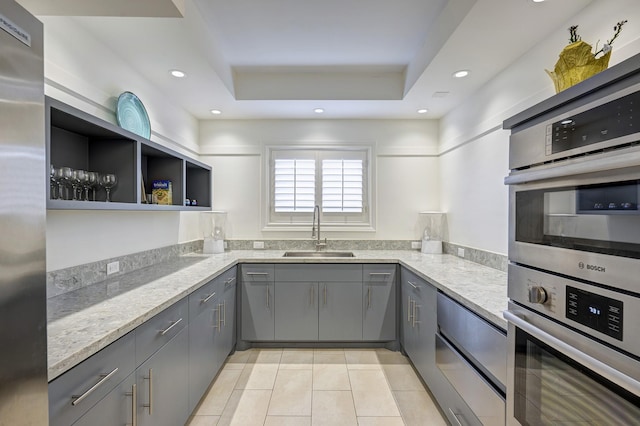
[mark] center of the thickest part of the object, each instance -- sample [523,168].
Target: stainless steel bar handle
[150,404]
[409,308]
[166,330]
[412,285]
[386,274]
[230,280]
[224,312]
[598,367]
[369,297]
[216,326]
[206,299]
[134,405]
[325,294]
[455,416]
[415,308]
[77,399]
[252,274]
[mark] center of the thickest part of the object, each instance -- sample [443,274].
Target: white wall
[405,162]
[473,145]
[81,71]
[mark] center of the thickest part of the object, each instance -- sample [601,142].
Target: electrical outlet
[461,252]
[113,267]
[416,245]
[258,245]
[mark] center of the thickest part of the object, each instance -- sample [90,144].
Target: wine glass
[94,181]
[75,182]
[65,178]
[83,182]
[108,181]
[53,182]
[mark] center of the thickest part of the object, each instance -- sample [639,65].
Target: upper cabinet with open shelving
[80,141]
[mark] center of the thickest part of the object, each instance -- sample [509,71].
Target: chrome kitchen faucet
[319,245]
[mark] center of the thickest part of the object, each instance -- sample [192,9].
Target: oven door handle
[602,164]
[593,364]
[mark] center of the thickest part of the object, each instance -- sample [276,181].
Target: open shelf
[81,141]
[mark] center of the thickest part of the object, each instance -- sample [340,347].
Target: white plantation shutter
[342,186]
[294,185]
[335,179]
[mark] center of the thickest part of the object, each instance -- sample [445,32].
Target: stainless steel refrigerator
[23,185]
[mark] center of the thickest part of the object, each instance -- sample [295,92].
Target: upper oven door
[580,218]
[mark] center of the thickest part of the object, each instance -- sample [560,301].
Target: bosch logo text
[592,267]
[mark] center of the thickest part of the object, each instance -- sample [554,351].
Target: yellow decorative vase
[575,64]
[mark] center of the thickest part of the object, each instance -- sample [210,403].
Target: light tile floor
[317,387]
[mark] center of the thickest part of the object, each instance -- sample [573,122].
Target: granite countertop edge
[75,337]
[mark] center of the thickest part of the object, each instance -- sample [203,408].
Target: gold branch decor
[577,62]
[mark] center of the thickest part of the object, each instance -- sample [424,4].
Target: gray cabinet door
[204,360]
[228,317]
[162,383]
[419,322]
[296,318]
[257,310]
[379,303]
[340,311]
[116,408]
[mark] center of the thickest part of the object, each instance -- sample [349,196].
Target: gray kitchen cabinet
[211,332]
[419,322]
[379,303]
[118,407]
[257,302]
[162,384]
[227,315]
[296,318]
[340,311]
[74,393]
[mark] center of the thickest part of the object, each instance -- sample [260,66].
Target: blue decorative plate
[131,115]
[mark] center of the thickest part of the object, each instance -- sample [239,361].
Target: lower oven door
[551,382]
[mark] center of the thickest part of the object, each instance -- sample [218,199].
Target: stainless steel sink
[318,254]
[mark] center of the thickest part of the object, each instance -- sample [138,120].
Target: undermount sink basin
[318,254]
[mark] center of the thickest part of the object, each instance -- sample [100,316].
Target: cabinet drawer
[318,273]
[156,332]
[479,340]
[379,274]
[257,272]
[205,298]
[478,394]
[85,384]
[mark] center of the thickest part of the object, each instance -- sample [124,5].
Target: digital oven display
[594,311]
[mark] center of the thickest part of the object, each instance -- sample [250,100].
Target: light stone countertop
[83,322]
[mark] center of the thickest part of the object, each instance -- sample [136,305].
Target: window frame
[331,221]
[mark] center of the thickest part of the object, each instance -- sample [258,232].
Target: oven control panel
[595,311]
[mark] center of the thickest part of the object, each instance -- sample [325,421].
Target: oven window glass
[596,218]
[551,389]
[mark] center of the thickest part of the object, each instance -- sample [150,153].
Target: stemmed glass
[75,182]
[94,179]
[83,181]
[53,182]
[108,181]
[66,176]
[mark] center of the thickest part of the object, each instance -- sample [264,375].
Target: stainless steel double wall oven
[574,251]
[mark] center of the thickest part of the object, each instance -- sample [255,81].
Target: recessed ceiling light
[177,73]
[538,1]
[423,111]
[318,110]
[216,112]
[461,73]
